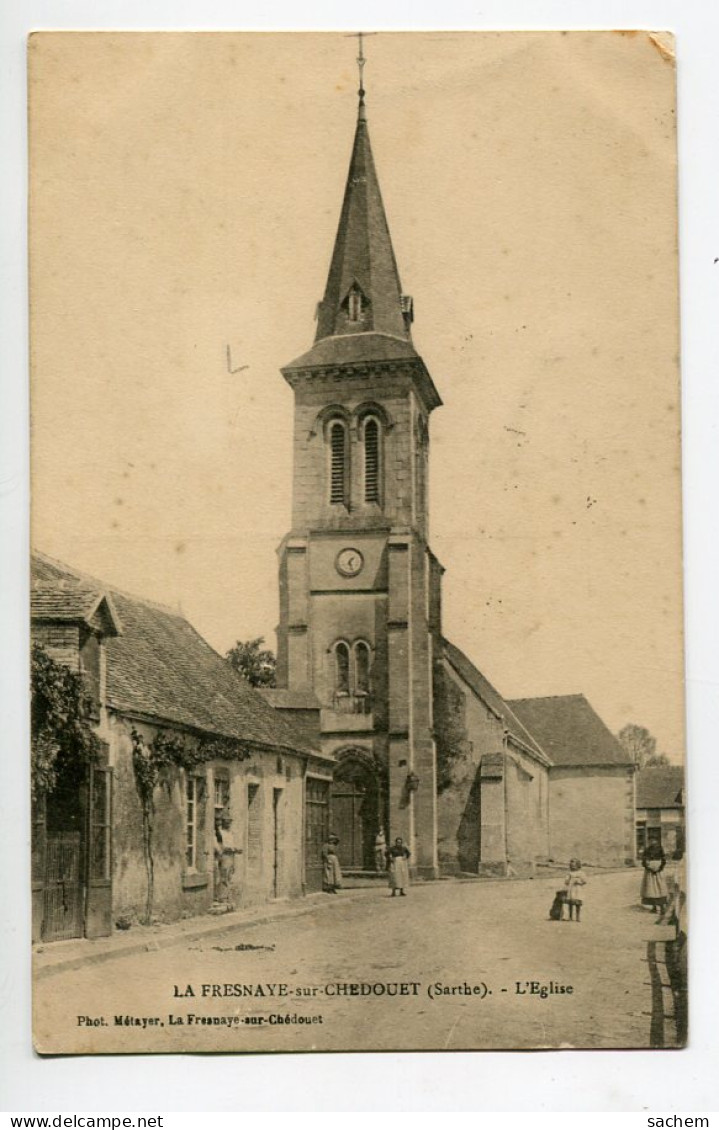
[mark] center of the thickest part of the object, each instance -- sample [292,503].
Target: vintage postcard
[357,674]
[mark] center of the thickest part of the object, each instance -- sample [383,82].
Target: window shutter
[254,828]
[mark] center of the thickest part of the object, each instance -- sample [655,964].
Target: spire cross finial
[360,36]
[360,63]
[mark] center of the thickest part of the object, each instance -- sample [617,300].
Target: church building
[423,746]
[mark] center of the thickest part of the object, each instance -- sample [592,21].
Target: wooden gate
[98,910]
[317,829]
[63,915]
[71,858]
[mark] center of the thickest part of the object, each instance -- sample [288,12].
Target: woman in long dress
[331,870]
[397,857]
[654,891]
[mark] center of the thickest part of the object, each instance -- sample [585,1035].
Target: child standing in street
[575,880]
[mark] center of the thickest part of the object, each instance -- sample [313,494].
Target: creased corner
[664,43]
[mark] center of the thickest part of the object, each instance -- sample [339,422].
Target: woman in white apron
[397,857]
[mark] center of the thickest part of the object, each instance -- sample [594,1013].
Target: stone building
[424,746]
[660,808]
[149,672]
[591,780]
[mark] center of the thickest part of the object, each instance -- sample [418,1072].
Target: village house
[150,673]
[591,780]
[660,808]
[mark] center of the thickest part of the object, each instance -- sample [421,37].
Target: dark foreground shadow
[668,1029]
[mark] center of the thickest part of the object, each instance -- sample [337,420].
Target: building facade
[591,781]
[156,684]
[660,815]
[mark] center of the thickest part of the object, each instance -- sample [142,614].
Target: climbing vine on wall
[151,761]
[62,734]
[449,725]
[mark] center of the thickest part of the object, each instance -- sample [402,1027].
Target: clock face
[349,562]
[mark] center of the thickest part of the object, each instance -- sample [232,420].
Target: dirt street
[455,965]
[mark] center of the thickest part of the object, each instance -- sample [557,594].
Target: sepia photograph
[357,700]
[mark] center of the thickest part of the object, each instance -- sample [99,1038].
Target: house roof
[484,689]
[570,730]
[161,668]
[660,786]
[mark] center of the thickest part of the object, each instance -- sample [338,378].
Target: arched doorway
[356,807]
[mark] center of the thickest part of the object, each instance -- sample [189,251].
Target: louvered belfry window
[338,462]
[371,460]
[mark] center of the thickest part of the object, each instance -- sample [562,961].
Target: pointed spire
[363,292]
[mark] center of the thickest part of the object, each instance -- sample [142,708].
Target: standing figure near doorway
[380,852]
[331,870]
[225,852]
[397,857]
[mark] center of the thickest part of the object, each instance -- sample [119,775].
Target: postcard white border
[488,1081]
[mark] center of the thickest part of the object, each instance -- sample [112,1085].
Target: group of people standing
[393,860]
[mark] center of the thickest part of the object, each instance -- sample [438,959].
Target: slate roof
[484,689]
[58,604]
[363,256]
[348,349]
[161,668]
[660,786]
[363,264]
[570,731]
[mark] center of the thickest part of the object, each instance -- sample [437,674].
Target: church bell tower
[359,586]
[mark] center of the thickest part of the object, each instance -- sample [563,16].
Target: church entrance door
[355,815]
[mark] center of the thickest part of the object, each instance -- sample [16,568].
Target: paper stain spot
[180,547]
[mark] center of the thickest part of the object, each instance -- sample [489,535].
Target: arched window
[338,461]
[362,667]
[342,668]
[371,460]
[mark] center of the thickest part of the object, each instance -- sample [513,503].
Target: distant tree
[256,665]
[641,746]
[658,759]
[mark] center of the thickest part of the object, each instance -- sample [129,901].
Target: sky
[185,194]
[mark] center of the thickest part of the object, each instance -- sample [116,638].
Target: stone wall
[591,812]
[272,782]
[527,792]
[492,805]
